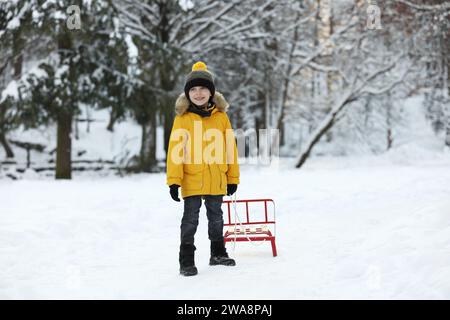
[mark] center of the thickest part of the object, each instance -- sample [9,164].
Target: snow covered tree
[432,41]
[75,69]
[310,68]
[15,24]
[376,68]
[150,24]
[179,33]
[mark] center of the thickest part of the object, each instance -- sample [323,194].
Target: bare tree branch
[424,7]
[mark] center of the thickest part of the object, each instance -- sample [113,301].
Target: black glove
[174,192]
[231,188]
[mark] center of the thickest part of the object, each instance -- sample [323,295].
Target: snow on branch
[351,93]
[325,125]
[319,51]
[388,87]
[424,7]
[206,25]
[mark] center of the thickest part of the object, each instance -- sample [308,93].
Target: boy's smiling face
[199,95]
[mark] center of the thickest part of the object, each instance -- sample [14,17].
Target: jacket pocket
[192,177]
[193,168]
[192,181]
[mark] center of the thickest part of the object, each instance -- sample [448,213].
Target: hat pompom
[199,66]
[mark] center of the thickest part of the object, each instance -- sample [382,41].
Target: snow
[14,23]
[10,91]
[347,228]
[133,51]
[124,139]
[12,88]
[97,144]
[62,70]
[354,227]
[186,4]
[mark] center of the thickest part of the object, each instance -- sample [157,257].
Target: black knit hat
[199,76]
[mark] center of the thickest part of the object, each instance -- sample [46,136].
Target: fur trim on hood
[182,103]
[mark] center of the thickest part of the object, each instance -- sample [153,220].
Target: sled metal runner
[248,230]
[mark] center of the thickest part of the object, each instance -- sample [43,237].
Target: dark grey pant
[214,213]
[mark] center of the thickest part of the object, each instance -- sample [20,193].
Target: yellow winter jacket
[202,156]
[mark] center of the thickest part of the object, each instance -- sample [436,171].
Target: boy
[203,170]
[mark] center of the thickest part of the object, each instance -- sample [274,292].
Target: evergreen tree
[16,24]
[79,69]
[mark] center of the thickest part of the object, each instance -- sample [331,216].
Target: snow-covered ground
[364,228]
[359,226]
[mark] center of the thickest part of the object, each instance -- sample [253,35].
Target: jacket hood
[182,103]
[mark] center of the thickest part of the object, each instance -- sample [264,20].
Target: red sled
[258,225]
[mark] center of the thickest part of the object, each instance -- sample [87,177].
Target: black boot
[187,264]
[219,255]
